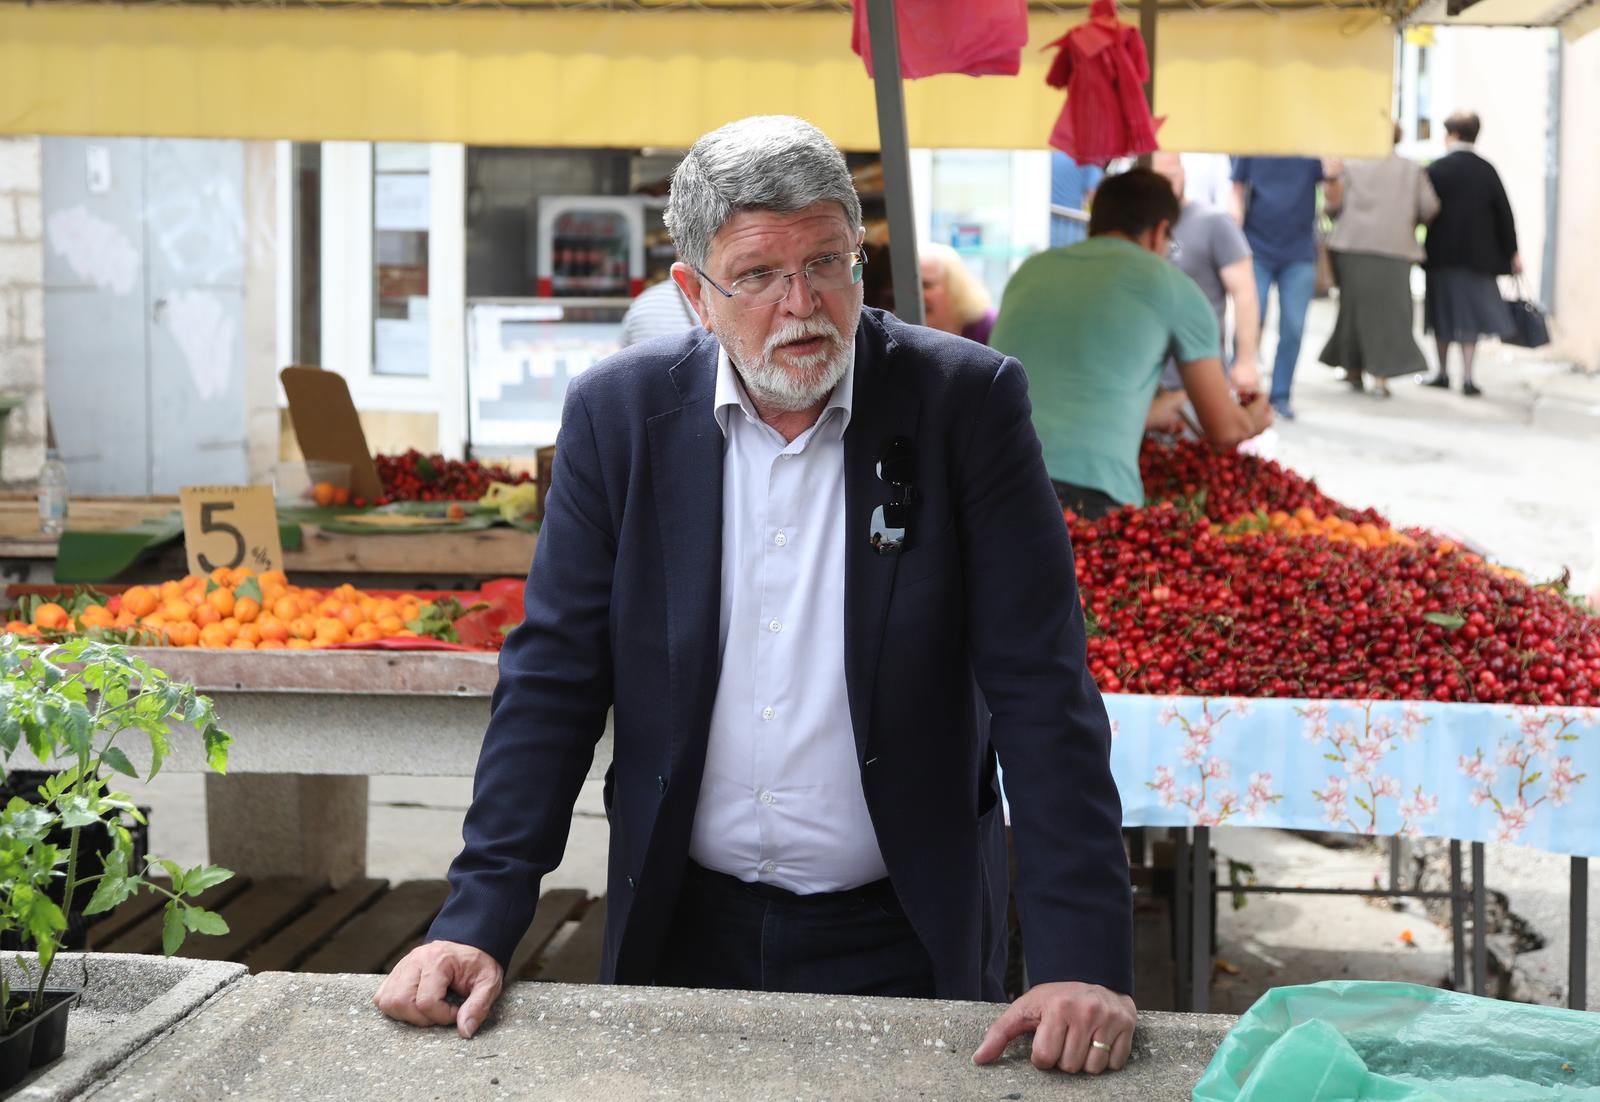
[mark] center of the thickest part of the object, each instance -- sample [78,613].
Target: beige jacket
[1384,203]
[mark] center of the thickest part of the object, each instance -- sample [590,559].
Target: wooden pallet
[294,925]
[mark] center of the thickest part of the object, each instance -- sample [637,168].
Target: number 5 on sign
[230,526]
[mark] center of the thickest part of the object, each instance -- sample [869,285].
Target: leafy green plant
[70,703]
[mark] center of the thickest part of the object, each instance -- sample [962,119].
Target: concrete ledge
[127,1001]
[285,1036]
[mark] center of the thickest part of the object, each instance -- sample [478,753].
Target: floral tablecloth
[1475,772]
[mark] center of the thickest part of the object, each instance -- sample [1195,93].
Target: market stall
[1298,665]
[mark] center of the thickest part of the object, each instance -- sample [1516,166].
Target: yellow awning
[1242,81]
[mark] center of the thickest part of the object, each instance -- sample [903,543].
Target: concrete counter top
[286,1036]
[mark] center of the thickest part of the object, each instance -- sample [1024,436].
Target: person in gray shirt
[659,311]
[1211,249]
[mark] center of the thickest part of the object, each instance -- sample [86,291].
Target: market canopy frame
[1239,77]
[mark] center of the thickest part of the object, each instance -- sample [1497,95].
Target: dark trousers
[755,937]
[1086,501]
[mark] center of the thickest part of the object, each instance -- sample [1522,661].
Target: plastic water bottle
[53,495]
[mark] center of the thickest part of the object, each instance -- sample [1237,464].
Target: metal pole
[895,153]
[1480,933]
[1181,894]
[1578,933]
[1458,933]
[1200,925]
[1148,10]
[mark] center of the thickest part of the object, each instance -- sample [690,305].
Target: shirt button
[780,539]
[775,627]
[767,797]
[769,867]
[767,713]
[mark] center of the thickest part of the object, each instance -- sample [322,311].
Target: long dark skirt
[1373,333]
[1463,305]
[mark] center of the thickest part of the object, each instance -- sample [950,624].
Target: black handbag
[1529,329]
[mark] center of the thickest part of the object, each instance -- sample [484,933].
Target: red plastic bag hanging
[978,38]
[1103,67]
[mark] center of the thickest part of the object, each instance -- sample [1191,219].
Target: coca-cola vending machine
[590,246]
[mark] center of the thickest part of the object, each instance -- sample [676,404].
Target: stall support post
[313,826]
[1148,12]
[1182,890]
[895,152]
[1396,851]
[1480,933]
[1458,933]
[1201,898]
[1578,932]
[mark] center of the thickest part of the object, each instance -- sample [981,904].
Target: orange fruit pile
[1304,522]
[240,610]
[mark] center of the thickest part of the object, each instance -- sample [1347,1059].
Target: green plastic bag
[1347,1041]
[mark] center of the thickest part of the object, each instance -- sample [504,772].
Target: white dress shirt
[781,799]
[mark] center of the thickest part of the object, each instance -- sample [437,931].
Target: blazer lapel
[881,408]
[686,472]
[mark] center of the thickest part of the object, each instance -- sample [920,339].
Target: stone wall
[21,308]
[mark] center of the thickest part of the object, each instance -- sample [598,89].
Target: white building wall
[21,308]
[1577,292]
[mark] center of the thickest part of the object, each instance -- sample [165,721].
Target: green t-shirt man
[1093,324]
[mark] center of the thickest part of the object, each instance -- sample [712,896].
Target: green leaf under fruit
[1446,620]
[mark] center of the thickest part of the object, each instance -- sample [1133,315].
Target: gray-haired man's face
[792,353]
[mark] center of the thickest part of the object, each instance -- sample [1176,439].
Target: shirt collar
[730,394]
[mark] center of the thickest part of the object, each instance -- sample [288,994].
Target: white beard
[810,379]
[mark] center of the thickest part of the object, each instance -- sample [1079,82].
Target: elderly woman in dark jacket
[1473,240]
[1377,206]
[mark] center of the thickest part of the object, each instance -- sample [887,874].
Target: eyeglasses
[889,521]
[832,272]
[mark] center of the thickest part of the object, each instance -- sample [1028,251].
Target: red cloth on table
[1103,67]
[974,37]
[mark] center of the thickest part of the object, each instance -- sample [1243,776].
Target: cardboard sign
[230,526]
[326,425]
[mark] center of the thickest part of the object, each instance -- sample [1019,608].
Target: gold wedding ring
[1100,1045]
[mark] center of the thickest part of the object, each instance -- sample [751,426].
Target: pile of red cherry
[1175,607]
[413,476]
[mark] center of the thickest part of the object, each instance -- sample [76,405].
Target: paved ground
[1512,472]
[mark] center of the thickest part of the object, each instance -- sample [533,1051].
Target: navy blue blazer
[968,643]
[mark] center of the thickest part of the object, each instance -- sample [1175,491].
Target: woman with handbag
[1376,206]
[1472,241]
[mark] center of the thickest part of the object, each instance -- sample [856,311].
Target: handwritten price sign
[230,526]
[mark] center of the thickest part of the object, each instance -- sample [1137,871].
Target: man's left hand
[1066,1019]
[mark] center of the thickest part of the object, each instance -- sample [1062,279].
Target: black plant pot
[39,1040]
[50,1025]
[16,1055]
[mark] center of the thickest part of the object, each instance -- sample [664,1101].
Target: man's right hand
[415,991]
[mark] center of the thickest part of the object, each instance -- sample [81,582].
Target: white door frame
[347,290]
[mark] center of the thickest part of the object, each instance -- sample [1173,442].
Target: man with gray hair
[810,558]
